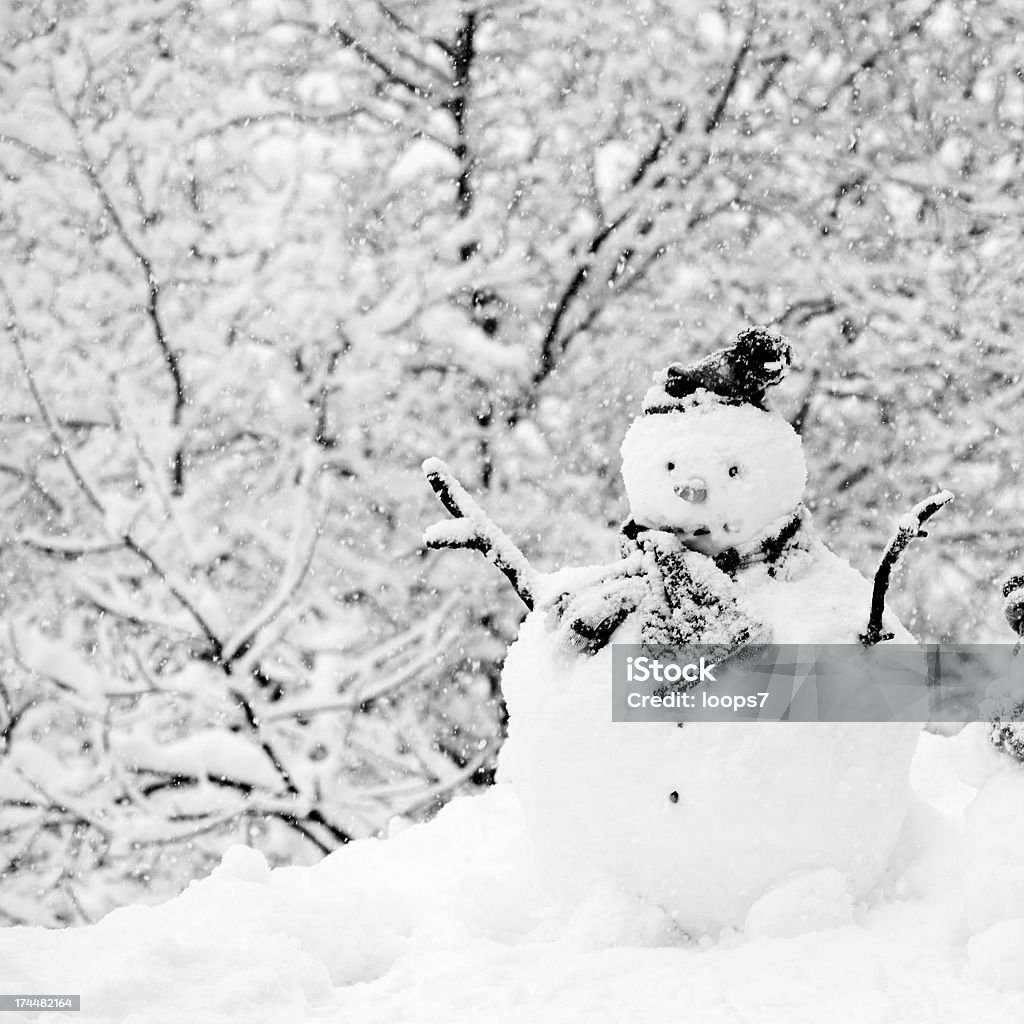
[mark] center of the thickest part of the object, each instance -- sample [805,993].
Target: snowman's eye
[734,471]
[671,466]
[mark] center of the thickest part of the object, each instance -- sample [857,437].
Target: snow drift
[445,922]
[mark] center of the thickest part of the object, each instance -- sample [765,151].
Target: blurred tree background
[259,258]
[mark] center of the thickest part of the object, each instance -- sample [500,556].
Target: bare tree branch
[869,60]
[62,547]
[291,583]
[715,118]
[55,432]
[42,155]
[92,493]
[909,527]
[556,337]
[171,358]
[365,54]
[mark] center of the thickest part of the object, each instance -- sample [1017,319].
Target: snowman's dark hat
[737,375]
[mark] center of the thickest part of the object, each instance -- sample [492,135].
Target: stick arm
[471,528]
[908,528]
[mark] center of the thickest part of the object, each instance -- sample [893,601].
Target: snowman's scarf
[688,601]
[691,599]
[772,547]
[680,596]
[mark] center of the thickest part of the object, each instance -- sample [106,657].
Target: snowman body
[706,818]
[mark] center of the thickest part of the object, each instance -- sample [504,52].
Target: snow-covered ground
[444,922]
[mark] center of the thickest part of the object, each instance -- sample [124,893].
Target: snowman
[721,824]
[990,755]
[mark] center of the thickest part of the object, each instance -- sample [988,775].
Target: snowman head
[707,460]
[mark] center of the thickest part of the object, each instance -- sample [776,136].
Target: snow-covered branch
[299,564]
[654,189]
[66,547]
[475,530]
[92,493]
[154,290]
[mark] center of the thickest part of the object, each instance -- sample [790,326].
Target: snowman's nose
[693,490]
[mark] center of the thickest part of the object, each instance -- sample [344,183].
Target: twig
[908,528]
[338,32]
[397,20]
[299,564]
[735,69]
[92,494]
[34,484]
[154,306]
[870,60]
[558,336]
[61,547]
[258,118]
[56,434]
[477,532]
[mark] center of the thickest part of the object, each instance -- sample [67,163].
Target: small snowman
[721,824]
[991,756]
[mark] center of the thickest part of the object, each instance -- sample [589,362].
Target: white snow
[459,342]
[712,29]
[807,901]
[977,760]
[423,158]
[209,753]
[703,444]
[444,922]
[994,852]
[755,802]
[615,162]
[451,532]
[910,521]
[817,598]
[996,955]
